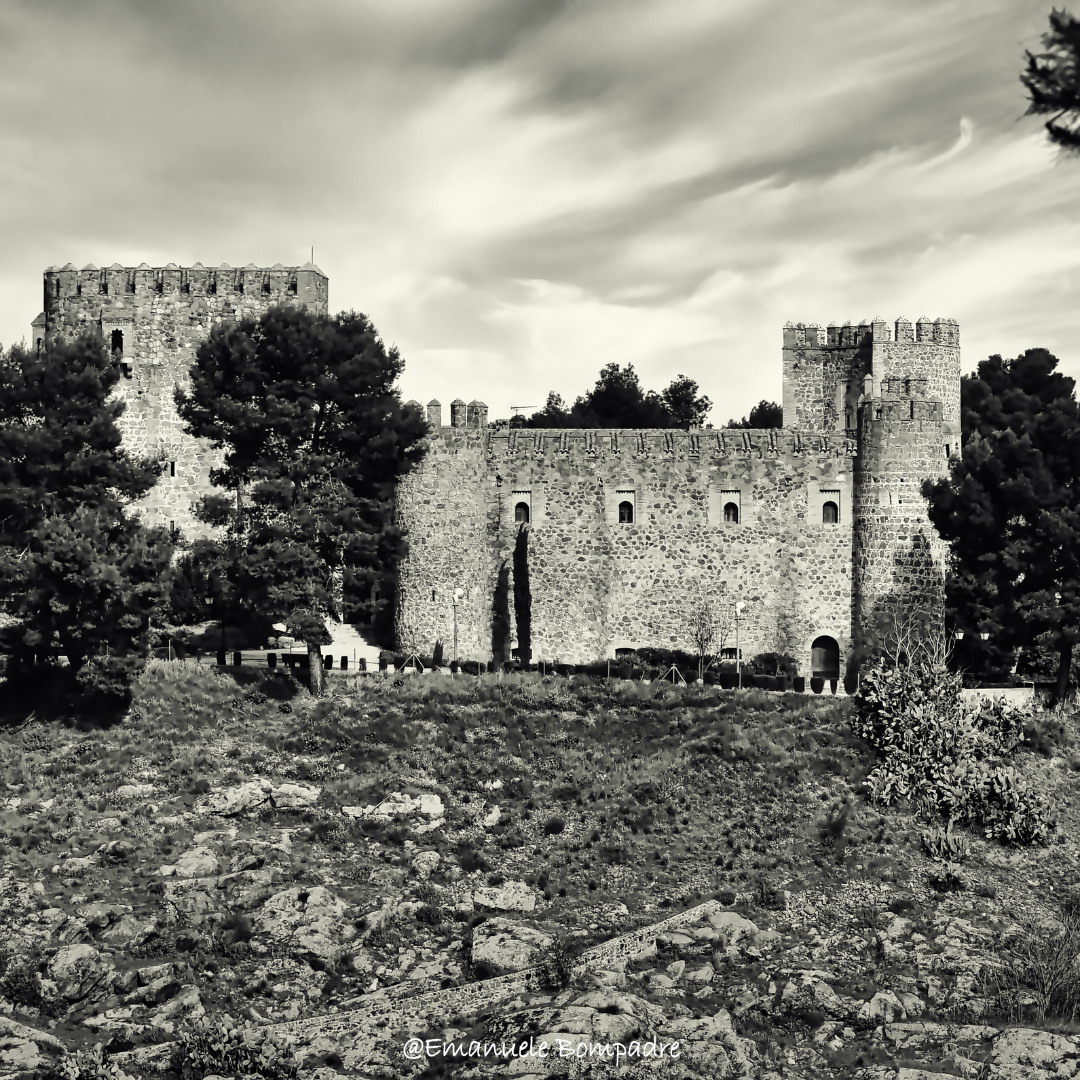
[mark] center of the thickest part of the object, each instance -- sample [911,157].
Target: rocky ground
[508,861]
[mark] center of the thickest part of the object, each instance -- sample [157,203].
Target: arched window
[830,513]
[731,512]
[521,512]
[116,343]
[626,513]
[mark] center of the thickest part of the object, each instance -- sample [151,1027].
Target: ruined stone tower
[152,320]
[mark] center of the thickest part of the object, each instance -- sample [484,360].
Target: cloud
[519,195]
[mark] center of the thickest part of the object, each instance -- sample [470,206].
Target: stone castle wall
[161,316]
[598,585]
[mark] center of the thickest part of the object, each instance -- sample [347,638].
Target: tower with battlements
[152,320]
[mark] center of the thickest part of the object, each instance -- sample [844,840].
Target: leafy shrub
[469,858]
[219,1047]
[933,747]
[774,664]
[89,1064]
[556,965]
[944,844]
[554,826]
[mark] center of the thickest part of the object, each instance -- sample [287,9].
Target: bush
[556,966]
[774,664]
[216,1047]
[554,826]
[89,1064]
[934,747]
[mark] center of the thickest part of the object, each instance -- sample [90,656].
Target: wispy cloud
[521,194]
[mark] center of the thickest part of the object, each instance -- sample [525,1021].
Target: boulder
[80,973]
[399,805]
[507,946]
[236,799]
[424,863]
[193,863]
[309,921]
[294,796]
[510,896]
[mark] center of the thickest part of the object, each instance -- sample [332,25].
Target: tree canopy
[77,573]
[315,438]
[1010,509]
[618,400]
[1052,80]
[60,437]
[765,414]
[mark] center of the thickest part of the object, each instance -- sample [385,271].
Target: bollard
[237,659]
[384,663]
[328,662]
[288,660]
[361,665]
[271,660]
[221,658]
[344,663]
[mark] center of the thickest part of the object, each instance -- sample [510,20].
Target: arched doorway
[825,658]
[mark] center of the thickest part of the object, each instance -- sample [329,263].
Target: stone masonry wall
[162,316]
[899,560]
[598,585]
[445,506]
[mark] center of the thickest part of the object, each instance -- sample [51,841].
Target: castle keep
[574,544]
[153,320]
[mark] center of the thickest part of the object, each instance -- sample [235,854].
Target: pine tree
[316,438]
[1010,509]
[1052,80]
[77,574]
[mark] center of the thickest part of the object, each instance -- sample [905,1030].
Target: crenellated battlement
[265,284]
[462,415]
[851,336]
[590,444]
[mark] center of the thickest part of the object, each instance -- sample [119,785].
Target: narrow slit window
[116,343]
[172,468]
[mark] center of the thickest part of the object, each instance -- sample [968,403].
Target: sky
[518,193]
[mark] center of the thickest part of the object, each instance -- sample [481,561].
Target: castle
[573,545]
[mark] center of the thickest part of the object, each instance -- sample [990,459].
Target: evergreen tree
[316,438]
[765,414]
[1052,80]
[76,573]
[617,400]
[59,437]
[685,407]
[1010,509]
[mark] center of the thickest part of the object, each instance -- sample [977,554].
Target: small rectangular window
[172,468]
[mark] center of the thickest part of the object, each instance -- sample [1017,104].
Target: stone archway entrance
[825,658]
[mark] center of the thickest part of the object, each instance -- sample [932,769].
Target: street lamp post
[459,594]
[739,606]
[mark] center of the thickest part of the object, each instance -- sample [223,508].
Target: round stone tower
[908,428]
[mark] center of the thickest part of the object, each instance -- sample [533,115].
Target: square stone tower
[152,320]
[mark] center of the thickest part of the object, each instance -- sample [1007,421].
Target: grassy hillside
[613,804]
